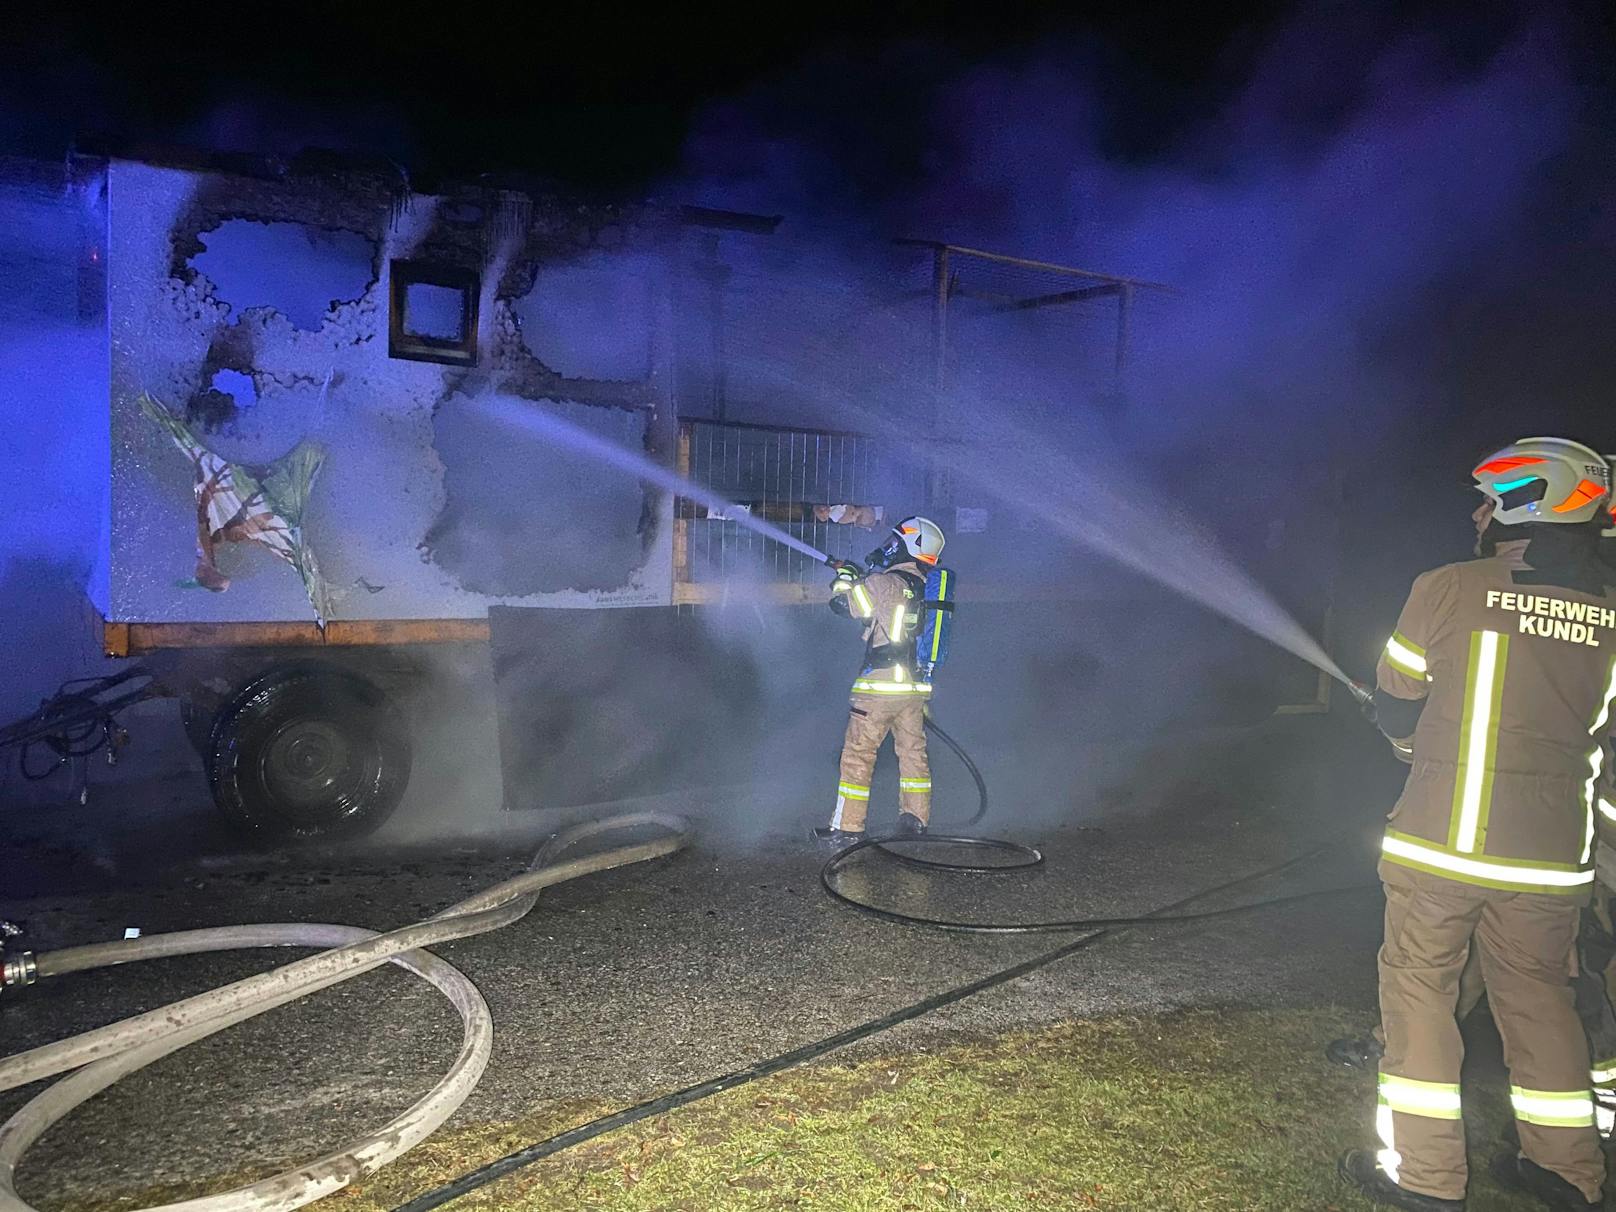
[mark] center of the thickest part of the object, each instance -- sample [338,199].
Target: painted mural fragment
[236,503]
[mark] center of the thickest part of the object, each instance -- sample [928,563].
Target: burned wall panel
[290,389]
[591,318]
[523,515]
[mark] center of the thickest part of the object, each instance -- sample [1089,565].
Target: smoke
[1321,221]
[1385,249]
[1301,224]
[1288,408]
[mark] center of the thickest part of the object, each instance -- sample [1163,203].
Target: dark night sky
[587,93]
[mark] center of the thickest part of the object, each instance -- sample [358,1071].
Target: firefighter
[1596,945]
[891,690]
[1497,684]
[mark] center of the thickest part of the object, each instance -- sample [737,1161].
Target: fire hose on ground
[1023,857]
[103,1056]
[1089,932]
[96,1059]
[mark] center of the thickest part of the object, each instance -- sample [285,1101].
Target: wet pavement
[642,980]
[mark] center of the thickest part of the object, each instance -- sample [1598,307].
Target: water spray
[1186,561]
[543,423]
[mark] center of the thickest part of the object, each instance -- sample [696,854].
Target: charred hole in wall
[226,385]
[524,516]
[299,270]
[241,389]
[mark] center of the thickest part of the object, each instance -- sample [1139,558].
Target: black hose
[827,877]
[1029,856]
[538,1150]
[1093,930]
[976,775]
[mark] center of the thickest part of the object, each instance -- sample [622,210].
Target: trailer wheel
[306,752]
[196,717]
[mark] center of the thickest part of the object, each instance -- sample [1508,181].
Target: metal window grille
[780,475]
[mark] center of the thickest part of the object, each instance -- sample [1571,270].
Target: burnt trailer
[277,395]
[289,483]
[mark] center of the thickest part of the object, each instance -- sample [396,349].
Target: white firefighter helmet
[1609,532]
[1545,480]
[922,538]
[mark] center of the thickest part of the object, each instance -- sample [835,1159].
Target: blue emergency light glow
[1513,484]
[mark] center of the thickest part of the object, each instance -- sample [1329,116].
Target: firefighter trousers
[1592,985]
[869,720]
[1525,943]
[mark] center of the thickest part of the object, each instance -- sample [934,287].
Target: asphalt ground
[628,984]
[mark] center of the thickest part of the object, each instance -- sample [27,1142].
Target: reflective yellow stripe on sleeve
[1596,762]
[1405,656]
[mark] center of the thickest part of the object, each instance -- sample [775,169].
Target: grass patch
[1209,1111]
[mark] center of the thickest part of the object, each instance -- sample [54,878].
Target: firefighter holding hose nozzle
[903,600]
[1497,688]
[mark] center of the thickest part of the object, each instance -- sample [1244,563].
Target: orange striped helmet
[922,538]
[1545,480]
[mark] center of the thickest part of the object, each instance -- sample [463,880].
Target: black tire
[196,717]
[306,753]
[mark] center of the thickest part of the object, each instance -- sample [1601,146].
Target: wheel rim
[312,770]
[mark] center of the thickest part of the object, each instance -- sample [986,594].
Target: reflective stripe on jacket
[889,605]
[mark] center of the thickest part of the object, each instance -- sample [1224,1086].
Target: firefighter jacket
[889,603]
[1508,755]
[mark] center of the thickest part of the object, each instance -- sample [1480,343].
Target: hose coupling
[18,970]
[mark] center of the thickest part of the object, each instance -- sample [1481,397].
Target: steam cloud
[1388,252]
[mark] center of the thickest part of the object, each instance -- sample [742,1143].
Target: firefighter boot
[1358,1167]
[909,825]
[833,838]
[1517,1173]
[1355,1052]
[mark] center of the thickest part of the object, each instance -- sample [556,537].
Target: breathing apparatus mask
[889,553]
[915,538]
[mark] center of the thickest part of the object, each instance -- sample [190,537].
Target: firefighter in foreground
[893,686]
[1497,684]
[1596,938]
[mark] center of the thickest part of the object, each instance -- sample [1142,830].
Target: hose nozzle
[1365,695]
[17,970]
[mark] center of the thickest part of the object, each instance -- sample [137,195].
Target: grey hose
[106,1054]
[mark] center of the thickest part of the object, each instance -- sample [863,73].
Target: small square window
[434,313]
